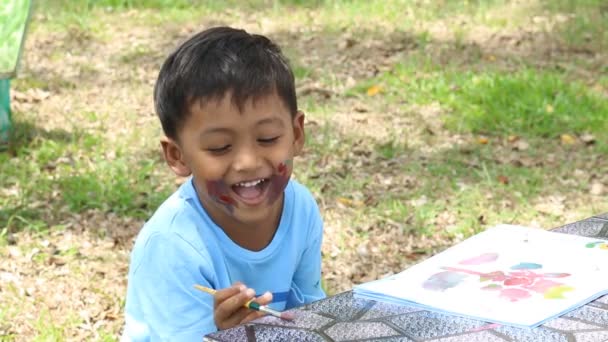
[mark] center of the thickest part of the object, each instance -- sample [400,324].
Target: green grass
[73,175]
[368,176]
[528,102]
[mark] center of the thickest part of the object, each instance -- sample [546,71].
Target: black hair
[214,62]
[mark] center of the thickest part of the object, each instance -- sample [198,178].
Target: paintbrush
[253,305]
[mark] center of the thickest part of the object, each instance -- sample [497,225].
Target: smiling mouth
[251,192]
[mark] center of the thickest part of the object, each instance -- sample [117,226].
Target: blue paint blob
[443,280]
[526,266]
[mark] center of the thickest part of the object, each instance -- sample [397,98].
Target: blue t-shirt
[181,246]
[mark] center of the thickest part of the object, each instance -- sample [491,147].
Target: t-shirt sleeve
[306,286]
[161,285]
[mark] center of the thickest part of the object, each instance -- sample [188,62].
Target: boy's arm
[161,300]
[306,286]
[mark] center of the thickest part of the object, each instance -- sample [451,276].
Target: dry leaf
[521,145]
[373,90]
[588,139]
[483,140]
[567,139]
[349,202]
[597,189]
[503,179]
[512,138]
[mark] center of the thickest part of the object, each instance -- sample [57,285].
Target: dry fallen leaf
[567,139]
[373,90]
[349,202]
[503,179]
[597,189]
[482,140]
[588,139]
[512,138]
[521,145]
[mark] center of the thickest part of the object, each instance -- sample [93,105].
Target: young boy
[227,104]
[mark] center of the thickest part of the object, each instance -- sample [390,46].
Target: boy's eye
[219,150]
[268,140]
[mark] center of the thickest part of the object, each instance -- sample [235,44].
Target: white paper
[508,274]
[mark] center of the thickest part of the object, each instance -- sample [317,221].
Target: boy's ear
[298,133]
[174,156]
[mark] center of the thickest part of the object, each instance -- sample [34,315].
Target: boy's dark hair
[215,61]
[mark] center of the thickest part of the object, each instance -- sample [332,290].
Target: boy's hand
[229,309]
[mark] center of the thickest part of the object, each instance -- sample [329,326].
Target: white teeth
[251,183]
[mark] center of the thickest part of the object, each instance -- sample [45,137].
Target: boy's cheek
[279,180]
[219,192]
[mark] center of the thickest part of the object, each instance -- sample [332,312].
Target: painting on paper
[508,274]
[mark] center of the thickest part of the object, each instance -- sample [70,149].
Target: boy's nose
[245,160]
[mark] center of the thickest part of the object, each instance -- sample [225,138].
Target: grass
[450,142]
[529,102]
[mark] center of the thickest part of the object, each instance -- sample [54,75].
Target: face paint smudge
[279,180]
[218,191]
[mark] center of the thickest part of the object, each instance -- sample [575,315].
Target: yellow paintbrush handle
[212,292]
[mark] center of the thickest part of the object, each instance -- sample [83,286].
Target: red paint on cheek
[282,169]
[227,200]
[279,181]
[218,191]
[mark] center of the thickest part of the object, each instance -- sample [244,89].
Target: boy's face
[241,161]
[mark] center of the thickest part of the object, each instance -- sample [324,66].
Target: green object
[5,110]
[14,16]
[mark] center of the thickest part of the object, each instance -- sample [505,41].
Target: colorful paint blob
[598,244]
[519,283]
[481,259]
[515,295]
[526,266]
[443,280]
[492,287]
[557,292]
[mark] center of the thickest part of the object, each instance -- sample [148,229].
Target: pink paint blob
[542,285]
[514,294]
[516,281]
[481,259]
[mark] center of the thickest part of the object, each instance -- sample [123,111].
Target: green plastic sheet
[14,16]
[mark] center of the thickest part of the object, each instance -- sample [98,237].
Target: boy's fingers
[223,294]
[264,299]
[229,306]
[234,319]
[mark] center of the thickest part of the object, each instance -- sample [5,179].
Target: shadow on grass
[25,134]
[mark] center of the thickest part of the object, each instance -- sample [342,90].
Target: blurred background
[427,121]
